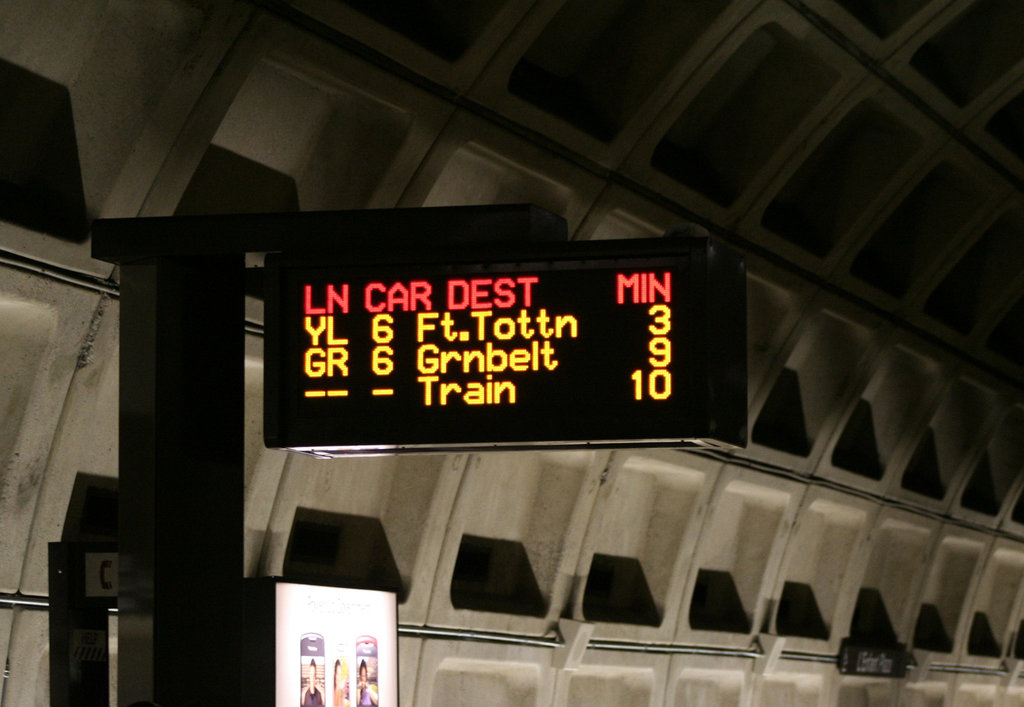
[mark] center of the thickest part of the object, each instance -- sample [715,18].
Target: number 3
[662,319]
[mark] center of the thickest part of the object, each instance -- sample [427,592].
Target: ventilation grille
[716,604]
[496,576]
[781,423]
[617,592]
[40,177]
[341,549]
[857,451]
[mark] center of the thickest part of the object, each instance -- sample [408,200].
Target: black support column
[181,480]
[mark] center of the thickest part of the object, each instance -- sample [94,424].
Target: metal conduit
[60,274]
[22,601]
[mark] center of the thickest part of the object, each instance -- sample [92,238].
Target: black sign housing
[565,345]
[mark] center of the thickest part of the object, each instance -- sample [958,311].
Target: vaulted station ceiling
[866,155]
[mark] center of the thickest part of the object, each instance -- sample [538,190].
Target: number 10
[659,384]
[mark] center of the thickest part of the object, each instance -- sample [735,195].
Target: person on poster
[312,694]
[367,692]
[340,684]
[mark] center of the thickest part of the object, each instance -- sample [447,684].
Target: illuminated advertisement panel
[335,647]
[587,344]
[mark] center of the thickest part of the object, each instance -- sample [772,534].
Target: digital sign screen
[584,344]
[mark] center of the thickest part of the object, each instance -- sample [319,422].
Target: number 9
[661,352]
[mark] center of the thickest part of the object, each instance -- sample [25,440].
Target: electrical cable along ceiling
[866,155]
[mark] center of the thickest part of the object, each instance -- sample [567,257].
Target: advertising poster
[336,647]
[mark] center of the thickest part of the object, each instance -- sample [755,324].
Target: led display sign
[568,345]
